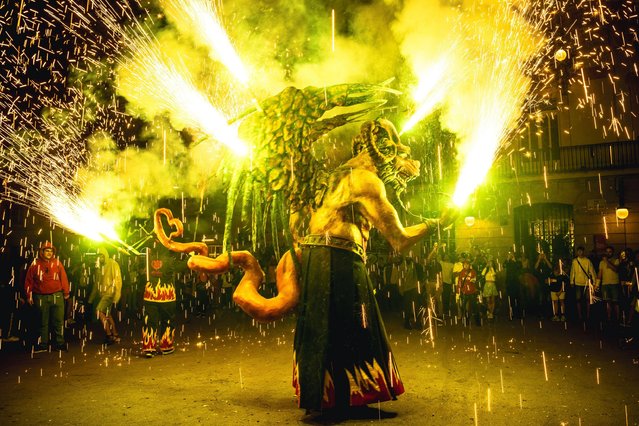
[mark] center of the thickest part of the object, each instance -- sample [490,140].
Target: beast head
[392,158]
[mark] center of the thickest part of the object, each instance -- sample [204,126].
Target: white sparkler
[200,19]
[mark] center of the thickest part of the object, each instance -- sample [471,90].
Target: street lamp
[622,214]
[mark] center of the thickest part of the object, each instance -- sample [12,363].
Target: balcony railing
[572,159]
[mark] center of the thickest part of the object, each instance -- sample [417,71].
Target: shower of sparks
[40,154]
[513,53]
[43,158]
[430,92]
[79,217]
[162,82]
[429,321]
[201,19]
[40,177]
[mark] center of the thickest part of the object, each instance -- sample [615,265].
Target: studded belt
[319,240]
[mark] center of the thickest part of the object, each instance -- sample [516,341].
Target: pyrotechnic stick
[597,371]
[121,250]
[501,379]
[241,382]
[543,356]
[476,419]
[605,226]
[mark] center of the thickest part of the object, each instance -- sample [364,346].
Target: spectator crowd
[49,294]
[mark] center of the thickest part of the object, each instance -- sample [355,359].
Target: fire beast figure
[342,356]
[159,304]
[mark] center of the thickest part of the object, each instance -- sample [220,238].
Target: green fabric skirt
[341,352]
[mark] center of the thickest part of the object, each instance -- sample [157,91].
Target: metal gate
[544,226]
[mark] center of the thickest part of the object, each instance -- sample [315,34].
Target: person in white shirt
[582,275]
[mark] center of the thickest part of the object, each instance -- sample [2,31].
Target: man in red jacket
[46,286]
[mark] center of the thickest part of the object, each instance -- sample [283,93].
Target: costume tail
[246,294]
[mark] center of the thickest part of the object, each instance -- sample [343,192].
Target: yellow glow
[199,19]
[480,156]
[622,213]
[560,55]
[78,216]
[158,81]
[496,92]
[431,90]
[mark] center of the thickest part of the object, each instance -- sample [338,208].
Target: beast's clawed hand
[448,217]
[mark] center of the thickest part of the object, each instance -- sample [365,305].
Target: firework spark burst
[170,88]
[507,57]
[201,19]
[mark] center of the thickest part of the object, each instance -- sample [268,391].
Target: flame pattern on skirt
[159,292]
[366,383]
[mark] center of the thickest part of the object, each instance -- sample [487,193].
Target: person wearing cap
[47,287]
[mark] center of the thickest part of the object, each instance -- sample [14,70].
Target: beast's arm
[368,190]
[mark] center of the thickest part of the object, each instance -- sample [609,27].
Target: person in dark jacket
[47,287]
